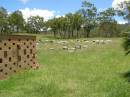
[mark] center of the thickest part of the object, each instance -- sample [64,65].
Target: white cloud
[122,22]
[101,9]
[58,16]
[24,1]
[46,14]
[116,3]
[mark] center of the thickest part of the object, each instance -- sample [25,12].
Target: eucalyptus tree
[74,24]
[124,10]
[59,26]
[107,22]
[69,25]
[53,24]
[16,21]
[35,24]
[63,26]
[3,21]
[56,27]
[89,13]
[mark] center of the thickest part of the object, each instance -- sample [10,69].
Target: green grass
[99,71]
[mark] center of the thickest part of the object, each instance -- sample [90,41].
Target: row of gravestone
[73,45]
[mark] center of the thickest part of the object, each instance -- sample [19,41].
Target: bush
[126,44]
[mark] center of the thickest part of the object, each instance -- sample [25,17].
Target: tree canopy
[85,22]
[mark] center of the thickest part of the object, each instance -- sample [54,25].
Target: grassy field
[97,71]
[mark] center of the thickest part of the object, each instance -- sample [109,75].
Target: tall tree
[67,26]
[16,21]
[75,22]
[89,13]
[3,21]
[107,22]
[51,23]
[124,10]
[35,24]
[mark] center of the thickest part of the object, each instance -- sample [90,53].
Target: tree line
[85,22]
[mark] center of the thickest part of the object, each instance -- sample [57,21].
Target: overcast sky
[51,8]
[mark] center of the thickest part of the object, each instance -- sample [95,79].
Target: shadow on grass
[127,75]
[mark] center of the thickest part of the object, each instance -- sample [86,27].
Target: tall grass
[99,71]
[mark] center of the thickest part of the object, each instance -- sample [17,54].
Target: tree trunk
[87,33]
[72,34]
[54,33]
[77,33]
